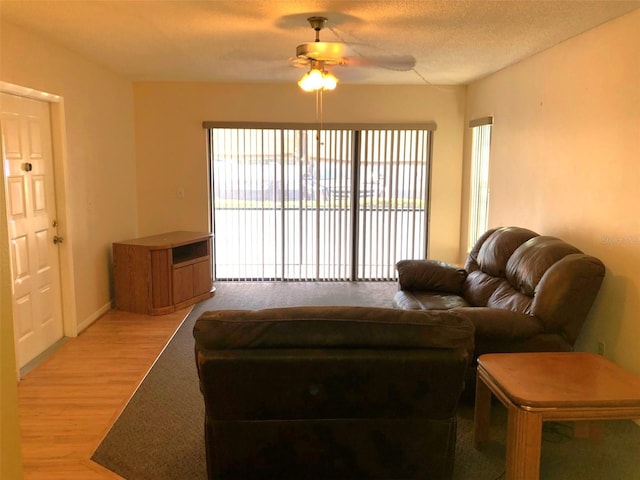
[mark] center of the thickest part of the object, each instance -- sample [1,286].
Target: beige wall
[99,202]
[564,162]
[171,146]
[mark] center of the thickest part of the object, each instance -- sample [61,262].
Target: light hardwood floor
[69,402]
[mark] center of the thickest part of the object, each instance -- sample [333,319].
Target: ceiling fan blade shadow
[400,63]
[299,20]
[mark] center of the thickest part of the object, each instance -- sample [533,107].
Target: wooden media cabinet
[162,273]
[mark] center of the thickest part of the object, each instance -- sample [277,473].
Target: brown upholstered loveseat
[331,392]
[522,291]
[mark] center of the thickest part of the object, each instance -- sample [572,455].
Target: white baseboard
[93,317]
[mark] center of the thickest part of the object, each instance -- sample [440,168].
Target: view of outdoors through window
[291,204]
[479,195]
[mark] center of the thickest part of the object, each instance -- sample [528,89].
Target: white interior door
[25,126]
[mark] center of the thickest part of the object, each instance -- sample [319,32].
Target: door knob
[57,239]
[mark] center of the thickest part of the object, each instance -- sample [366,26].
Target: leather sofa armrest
[430,275]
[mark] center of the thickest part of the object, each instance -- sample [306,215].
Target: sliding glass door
[308,204]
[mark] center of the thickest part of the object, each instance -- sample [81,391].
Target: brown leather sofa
[331,392]
[522,291]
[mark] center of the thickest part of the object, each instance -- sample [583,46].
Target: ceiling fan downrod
[317,23]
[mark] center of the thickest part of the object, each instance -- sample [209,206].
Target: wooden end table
[537,387]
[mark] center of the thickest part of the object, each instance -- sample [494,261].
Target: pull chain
[319,111]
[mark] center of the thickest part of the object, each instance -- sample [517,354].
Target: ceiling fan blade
[345,53]
[299,62]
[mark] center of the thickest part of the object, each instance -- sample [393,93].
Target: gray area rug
[159,435]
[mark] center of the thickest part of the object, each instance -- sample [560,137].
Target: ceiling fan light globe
[311,81]
[329,81]
[304,84]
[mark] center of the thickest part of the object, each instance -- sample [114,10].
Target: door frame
[60,175]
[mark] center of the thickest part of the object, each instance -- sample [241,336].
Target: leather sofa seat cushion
[501,325]
[421,300]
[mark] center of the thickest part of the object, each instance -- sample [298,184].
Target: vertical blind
[296,203]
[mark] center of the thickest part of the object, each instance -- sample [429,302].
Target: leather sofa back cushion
[496,251]
[332,362]
[332,327]
[532,259]
[511,264]
[479,287]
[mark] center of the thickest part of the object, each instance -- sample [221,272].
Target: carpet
[159,435]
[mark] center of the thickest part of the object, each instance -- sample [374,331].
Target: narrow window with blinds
[337,204]
[480,150]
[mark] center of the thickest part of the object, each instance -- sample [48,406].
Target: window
[480,149]
[296,203]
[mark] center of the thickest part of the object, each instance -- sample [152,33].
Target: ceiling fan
[318,55]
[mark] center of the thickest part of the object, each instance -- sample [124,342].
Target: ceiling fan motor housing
[330,53]
[317,23]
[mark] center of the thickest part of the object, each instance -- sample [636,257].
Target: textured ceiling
[453,42]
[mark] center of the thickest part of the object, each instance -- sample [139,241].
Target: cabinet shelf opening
[186,253]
